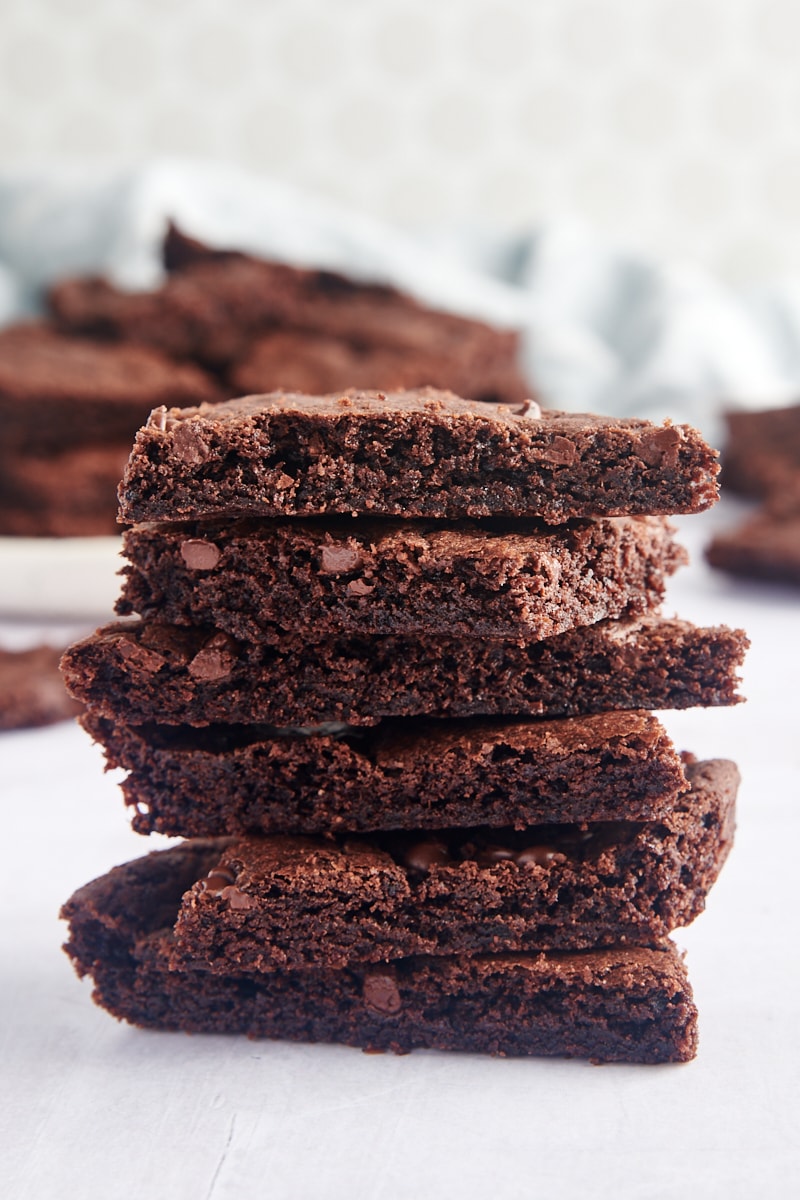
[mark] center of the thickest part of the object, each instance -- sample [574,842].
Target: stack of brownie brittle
[391,678]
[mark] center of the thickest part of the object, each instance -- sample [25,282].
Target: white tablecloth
[93,1109]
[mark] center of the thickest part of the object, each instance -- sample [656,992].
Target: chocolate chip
[158,418]
[424,855]
[135,657]
[217,880]
[357,587]
[338,560]
[237,899]
[528,408]
[200,555]
[381,994]
[561,452]
[188,446]
[661,447]
[214,661]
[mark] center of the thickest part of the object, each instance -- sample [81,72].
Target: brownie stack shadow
[392,677]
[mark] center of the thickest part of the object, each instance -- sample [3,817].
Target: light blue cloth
[605,330]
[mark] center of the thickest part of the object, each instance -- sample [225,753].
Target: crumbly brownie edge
[402,775]
[412,454]
[143,671]
[294,902]
[617,1005]
[252,579]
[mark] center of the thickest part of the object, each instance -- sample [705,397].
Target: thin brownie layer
[58,392]
[250,578]
[614,1005]
[409,454]
[32,691]
[177,675]
[400,775]
[292,901]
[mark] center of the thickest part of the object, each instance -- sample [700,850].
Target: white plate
[59,577]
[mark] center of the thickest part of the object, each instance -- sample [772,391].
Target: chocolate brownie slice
[762,452]
[615,1005]
[399,775]
[292,360]
[70,493]
[32,692]
[410,454]
[215,305]
[250,578]
[766,546]
[58,392]
[178,675]
[292,901]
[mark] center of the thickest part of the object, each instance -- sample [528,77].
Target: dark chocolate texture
[399,775]
[292,901]
[615,1005]
[410,454]
[177,675]
[249,578]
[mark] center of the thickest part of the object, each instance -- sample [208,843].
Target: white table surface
[90,1108]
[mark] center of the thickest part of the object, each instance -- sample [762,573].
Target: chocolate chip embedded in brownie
[32,692]
[410,454]
[292,901]
[177,675]
[58,392]
[249,578]
[399,775]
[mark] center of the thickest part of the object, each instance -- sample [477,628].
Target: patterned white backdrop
[669,124]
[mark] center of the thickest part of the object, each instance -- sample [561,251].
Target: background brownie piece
[32,692]
[291,901]
[361,576]
[58,392]
[399,775]
[212,309]
[183,676]
[411,454]
[296,361]
[767,546]
[71,493]
[762,452]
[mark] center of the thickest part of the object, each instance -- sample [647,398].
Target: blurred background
[668,124]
